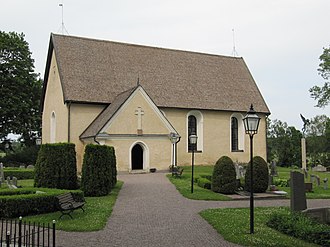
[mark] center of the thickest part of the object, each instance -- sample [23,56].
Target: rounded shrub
[98,170]
[56,166]
[224,176]
[260,175]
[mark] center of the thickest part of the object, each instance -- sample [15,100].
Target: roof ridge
[147,46]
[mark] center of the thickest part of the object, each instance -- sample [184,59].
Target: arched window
[52,127]
[192,129]
[234,134]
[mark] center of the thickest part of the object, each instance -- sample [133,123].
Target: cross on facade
[139,112]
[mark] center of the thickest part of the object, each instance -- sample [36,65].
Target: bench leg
[69,213]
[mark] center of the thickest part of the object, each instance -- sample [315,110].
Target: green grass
[318,192]
[183,185]
[234,226]
[95,217]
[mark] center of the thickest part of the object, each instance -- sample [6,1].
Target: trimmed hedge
[224,176]
[23,204]
[204,183]
[260,175]
[99,172]
[56,166]
[19,173]
[300,226]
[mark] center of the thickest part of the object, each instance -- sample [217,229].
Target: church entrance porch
[137,157]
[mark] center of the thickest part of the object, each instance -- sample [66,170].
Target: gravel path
[150,212]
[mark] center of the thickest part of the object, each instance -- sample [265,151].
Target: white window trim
[241,134]
[200,120]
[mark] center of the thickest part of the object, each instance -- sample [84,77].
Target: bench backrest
[67,197]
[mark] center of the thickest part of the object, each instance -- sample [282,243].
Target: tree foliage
[322,94]
[283,143]
[224,176]
[20,88]
[318,140]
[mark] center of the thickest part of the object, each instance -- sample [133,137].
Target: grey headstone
[325,183]
[14,181]
[22,167]
[318,180]
[298,196]
[30,167]
[312,176]
[2,175]
[273,169]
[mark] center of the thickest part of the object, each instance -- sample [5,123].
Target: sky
[280,40]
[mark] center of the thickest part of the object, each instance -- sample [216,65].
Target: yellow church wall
[54,103]
[216,135]
[127,122]
[81,116]
[157,152]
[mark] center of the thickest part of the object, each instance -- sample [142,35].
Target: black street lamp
[175,138]
[251,124]
[193,141]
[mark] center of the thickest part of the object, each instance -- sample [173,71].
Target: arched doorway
[137,157]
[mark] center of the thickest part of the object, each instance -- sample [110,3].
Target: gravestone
[273,169]
[14,181]
[318,180]
[241,171]
[237,171]
[319,168]
[312,176]
[298,196]
[325,183]
[30,167]
[2,175]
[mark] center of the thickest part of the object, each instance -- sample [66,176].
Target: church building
[146,102]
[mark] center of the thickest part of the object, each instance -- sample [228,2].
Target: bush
[19,173]
[281,182]
[26,156]
[56,166]
[204,183]
[99,173]
[260,175]
[300,226]
[224,176]
[27,202]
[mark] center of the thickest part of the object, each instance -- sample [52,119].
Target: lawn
[183,184]
[95,217]
[234,225]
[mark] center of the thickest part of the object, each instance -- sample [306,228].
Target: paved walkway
[150,212]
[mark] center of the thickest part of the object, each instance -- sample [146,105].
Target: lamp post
[175,138]
[251,124]
[193,141]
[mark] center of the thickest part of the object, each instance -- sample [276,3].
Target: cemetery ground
[236,229]
[183,184]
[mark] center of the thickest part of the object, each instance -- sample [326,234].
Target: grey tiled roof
[96,71]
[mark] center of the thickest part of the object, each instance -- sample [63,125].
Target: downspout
[69,120]
[96,140]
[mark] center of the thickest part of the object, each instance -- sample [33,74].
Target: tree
[283,143]
[20,89]
[322,94]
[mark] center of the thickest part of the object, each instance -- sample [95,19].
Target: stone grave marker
[325,183]
[312,176]
[298,196]
[319,168]
[273,169]
[14,181]
[318,180]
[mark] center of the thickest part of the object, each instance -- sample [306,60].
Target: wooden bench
[67,204]
[177,172]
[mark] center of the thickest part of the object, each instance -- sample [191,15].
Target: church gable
[132,113]
[138,115]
